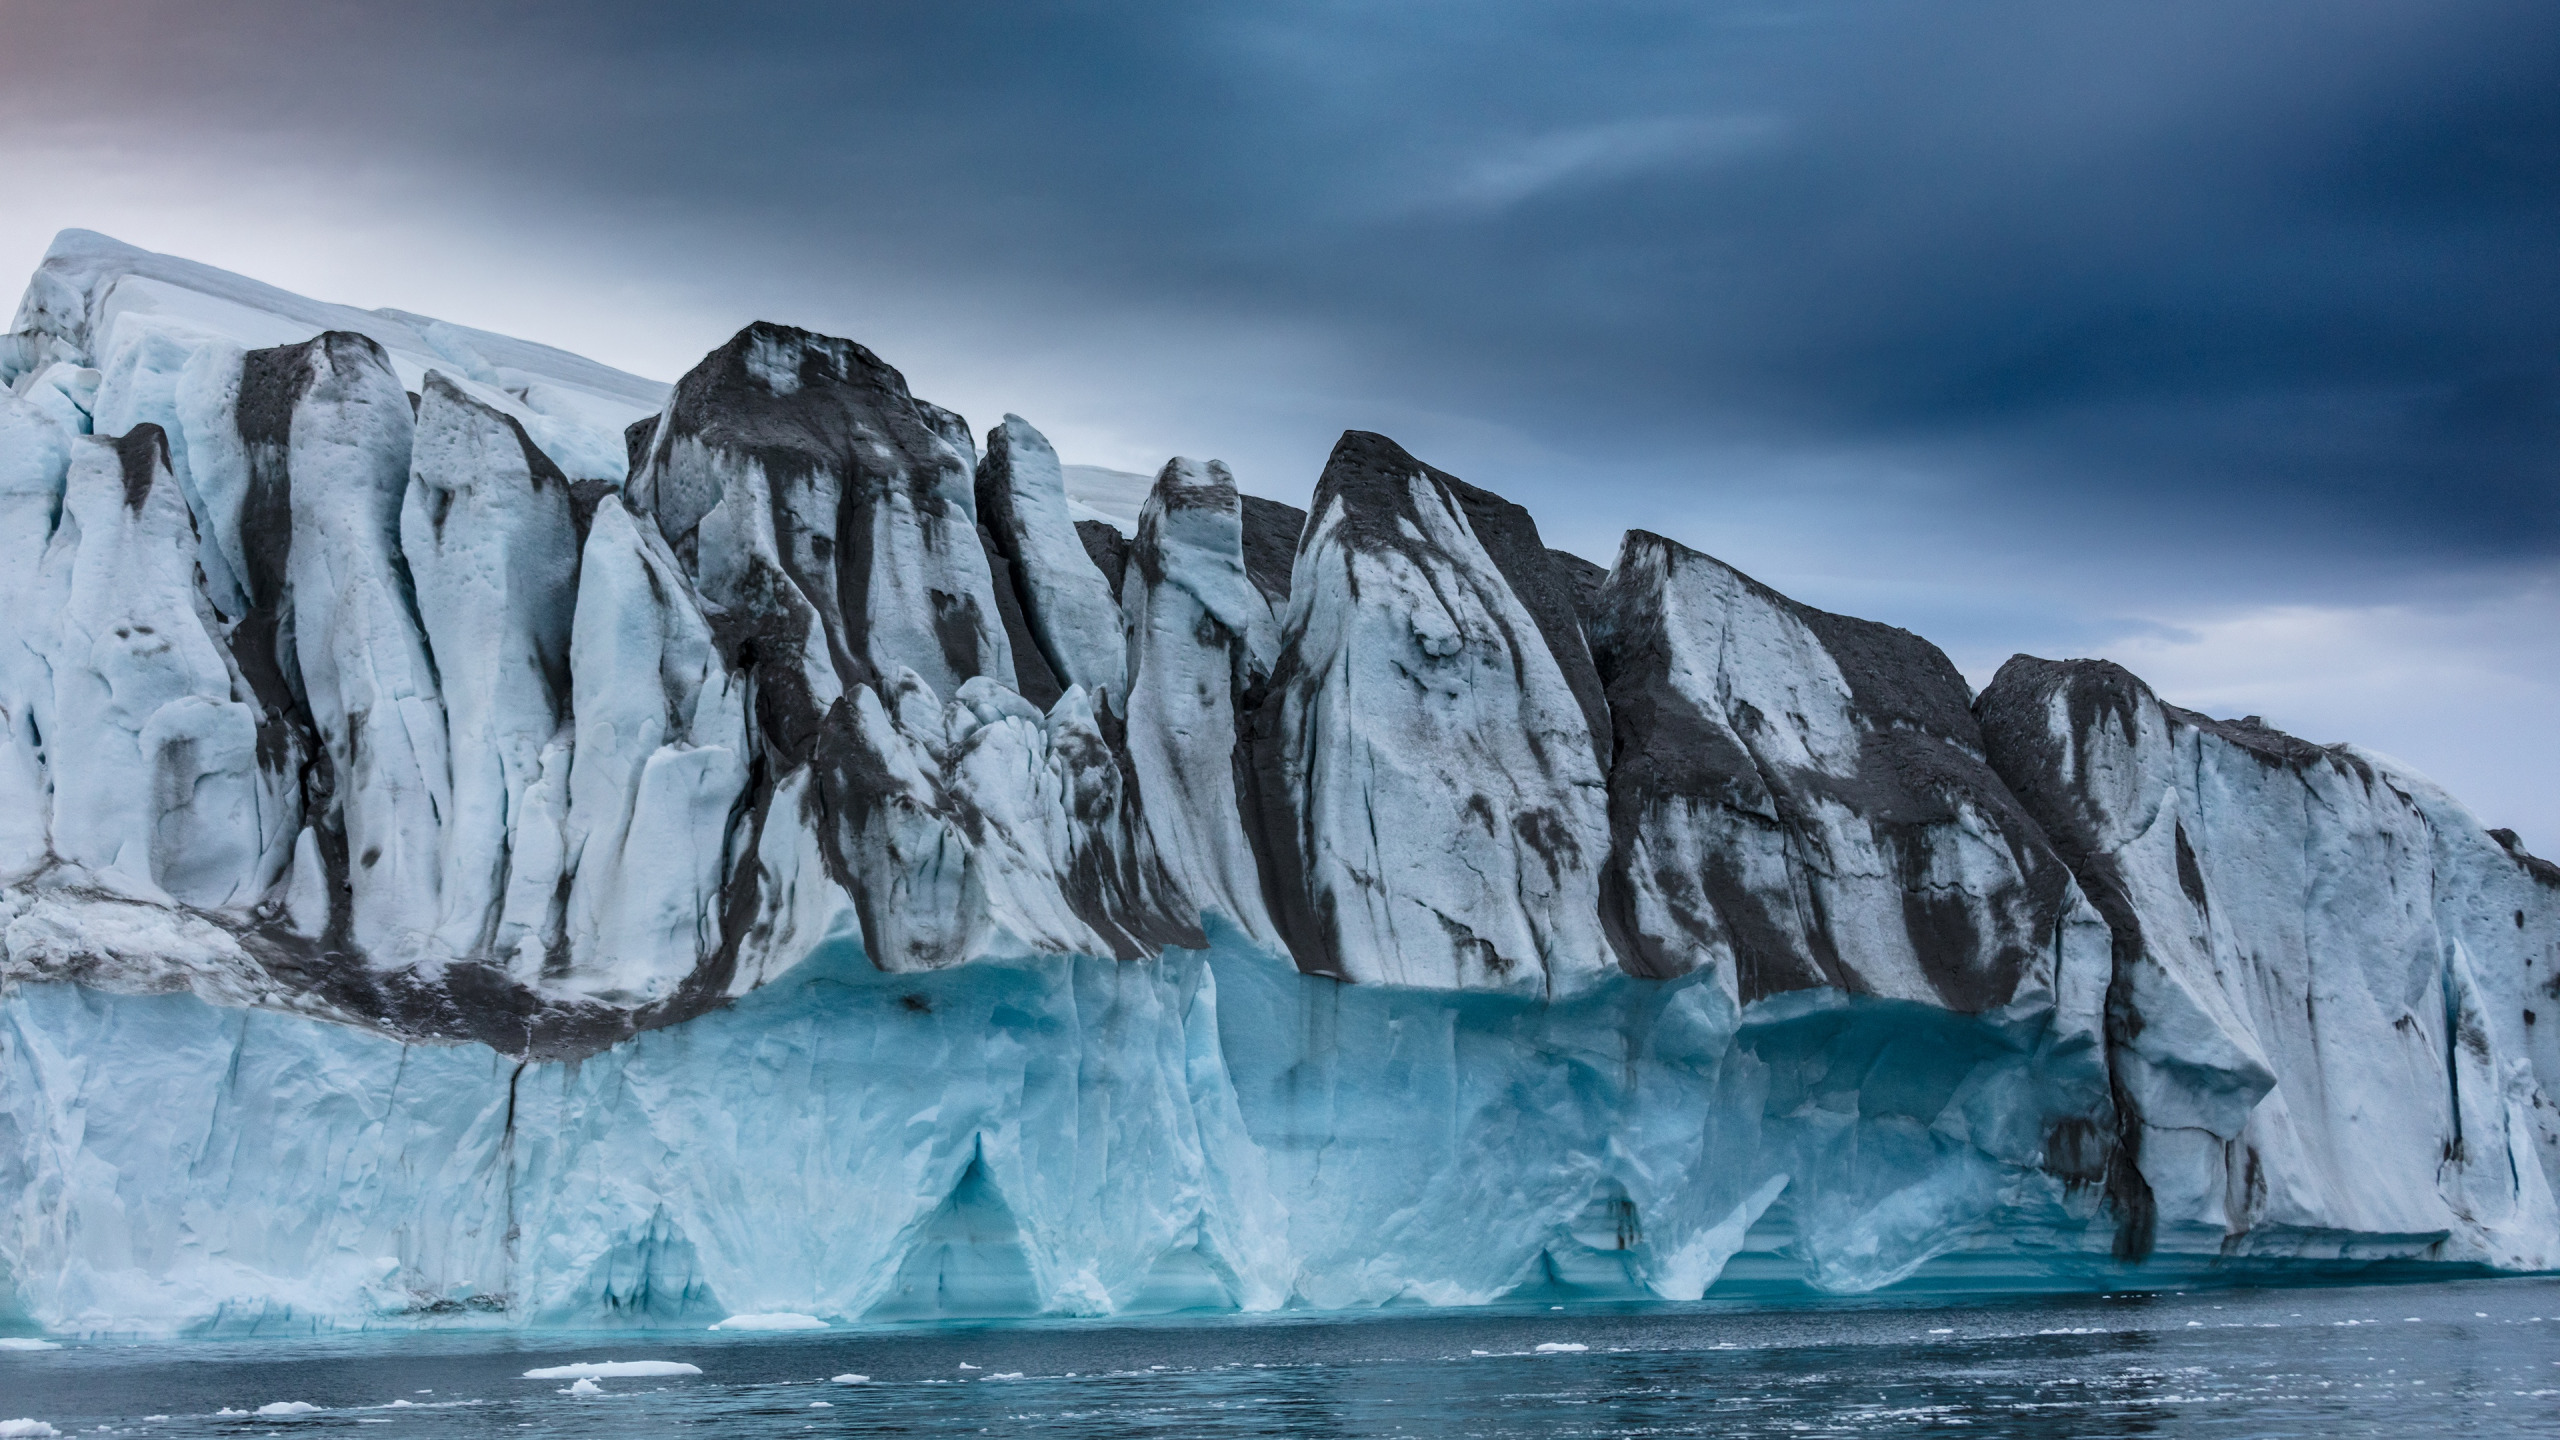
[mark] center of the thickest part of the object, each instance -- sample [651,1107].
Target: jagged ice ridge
[489,839]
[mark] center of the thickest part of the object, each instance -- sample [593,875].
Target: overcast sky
[2222,339]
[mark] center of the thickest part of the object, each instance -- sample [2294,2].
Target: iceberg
[490,841]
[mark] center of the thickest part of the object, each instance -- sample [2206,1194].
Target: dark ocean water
[2460,1358]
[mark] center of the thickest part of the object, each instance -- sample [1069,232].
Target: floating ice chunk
[776,1320]
[20,1342]
[227,1410]
[1561,1347]
[822,1404]
[965,1365]
[287,1407]
[11,1429]
[849,1378]
[584,1386]
[609,1370]
[1006,1375]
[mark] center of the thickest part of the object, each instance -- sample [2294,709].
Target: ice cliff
[485,838]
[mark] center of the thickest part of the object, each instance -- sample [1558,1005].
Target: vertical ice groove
[1803,796]
[328,429]
[658,763]
[1428,788]
[35,459]
[157,372]
[158,797]
[2271,899]
[1199,636]
[981,828]
[822,508]
[490,542]
[1022,501]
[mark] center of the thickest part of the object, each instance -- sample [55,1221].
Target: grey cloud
[2128,306]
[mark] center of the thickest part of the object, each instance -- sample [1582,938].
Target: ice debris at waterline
[491,840]
[612,1370]
[781,1321]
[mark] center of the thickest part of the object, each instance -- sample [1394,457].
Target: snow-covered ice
[1111,497]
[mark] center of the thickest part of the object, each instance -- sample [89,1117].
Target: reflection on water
[2475,1357]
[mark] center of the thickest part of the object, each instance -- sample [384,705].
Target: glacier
[490,840]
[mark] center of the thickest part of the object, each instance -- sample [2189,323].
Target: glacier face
[1081,1136]
[484,836]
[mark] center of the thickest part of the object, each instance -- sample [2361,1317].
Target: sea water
[2478,1357]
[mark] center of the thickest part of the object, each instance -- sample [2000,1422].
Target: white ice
[90,287]
[774,1320]
[1198,634]
[1114,497]
[1067,602]
[612,1370]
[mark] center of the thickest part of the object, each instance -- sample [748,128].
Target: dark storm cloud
[2278,280]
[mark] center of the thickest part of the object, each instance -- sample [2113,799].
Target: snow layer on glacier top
[1113,497]
[91,288]
[256,313]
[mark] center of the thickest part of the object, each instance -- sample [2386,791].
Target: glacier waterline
[1213,1130]
[2203,1363]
